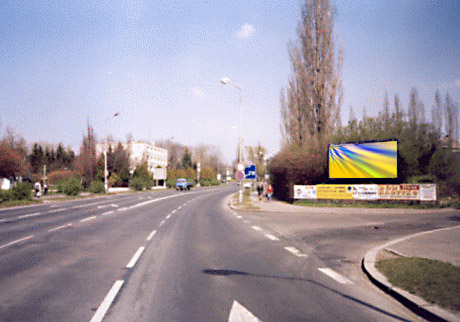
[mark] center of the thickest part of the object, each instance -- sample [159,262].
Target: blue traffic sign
[250,172]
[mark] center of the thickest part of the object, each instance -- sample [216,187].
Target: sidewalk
[441,244]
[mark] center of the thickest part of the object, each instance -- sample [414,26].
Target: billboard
[372,160]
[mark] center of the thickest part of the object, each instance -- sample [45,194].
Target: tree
[37,158]
[87,158]
[186,160]
[11,162]
[310,106]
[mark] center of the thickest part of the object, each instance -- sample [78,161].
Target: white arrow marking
[239,313]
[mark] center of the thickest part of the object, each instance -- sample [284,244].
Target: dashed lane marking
[17,241]
[162,222]
[270,236]
[60,227]
[29,215]
[135,258]
[57,210]
[107,302]
[107,213]
[256,228]
[168,216]
[151,235]
[294,251]
[89,218]
[335,276]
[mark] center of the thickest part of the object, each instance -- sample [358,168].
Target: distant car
[247,185]
[182,184]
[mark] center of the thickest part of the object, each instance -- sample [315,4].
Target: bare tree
[310,105]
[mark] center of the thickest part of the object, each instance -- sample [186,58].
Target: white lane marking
[60,227]
[149,238]
[256,228]
[17,241]
[168,216]
[89,218]
[174,211]
[2,220]
[123,209]
[107,213]
[178,208]
[135,258]
[57,210]
[30,215]
[107,302]
[162,223]
[239,313]
[87,205]
[294,251]
[103,206]
[270,236]
[114,205]
[239,217]
[335,276]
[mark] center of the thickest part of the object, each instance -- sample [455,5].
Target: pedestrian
[269,192]
[260,191]
[45,189]
[37,188]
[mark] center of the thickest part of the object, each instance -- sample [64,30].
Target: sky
[159,64]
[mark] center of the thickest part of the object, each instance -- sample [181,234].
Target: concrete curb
[418,305]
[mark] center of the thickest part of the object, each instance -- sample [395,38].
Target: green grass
[435,281]
[17,203]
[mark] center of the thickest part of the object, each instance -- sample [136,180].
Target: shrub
[5,195]
[59,175]
[97,187]
[21,191]
[70,187]
[137,183]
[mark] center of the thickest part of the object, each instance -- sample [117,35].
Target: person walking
[269,192]
[260,191]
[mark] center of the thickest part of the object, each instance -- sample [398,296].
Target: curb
[429,311]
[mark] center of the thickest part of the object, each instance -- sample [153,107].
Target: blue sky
[159,63]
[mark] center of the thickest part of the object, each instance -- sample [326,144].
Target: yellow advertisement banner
[334,191]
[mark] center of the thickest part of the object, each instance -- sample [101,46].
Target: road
[186,256]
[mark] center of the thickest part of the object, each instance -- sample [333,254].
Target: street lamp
[106,186]
[225,81]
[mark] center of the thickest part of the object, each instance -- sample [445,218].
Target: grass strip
[435,281]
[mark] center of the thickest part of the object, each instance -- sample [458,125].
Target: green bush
[97,187]
[21,191]
[5,195]
[137,183]
[70,187]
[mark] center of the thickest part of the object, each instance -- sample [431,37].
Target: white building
[156,158]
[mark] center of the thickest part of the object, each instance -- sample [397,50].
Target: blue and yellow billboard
[372,160]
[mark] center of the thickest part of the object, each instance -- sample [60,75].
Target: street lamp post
[106,186]
[226,80]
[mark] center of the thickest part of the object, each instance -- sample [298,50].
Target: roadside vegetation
[310,112]
[435,281]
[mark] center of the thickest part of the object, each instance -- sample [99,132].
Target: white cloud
[245,31]
[197,91]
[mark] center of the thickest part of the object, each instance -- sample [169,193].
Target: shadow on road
[227,272]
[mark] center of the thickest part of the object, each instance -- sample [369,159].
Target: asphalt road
[170,256]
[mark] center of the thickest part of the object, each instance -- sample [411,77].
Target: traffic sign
[250,172]
[240,175]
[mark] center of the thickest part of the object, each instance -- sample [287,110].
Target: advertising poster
[428,192]
[399,191]
[304,192]
[365,192]
[334,191]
